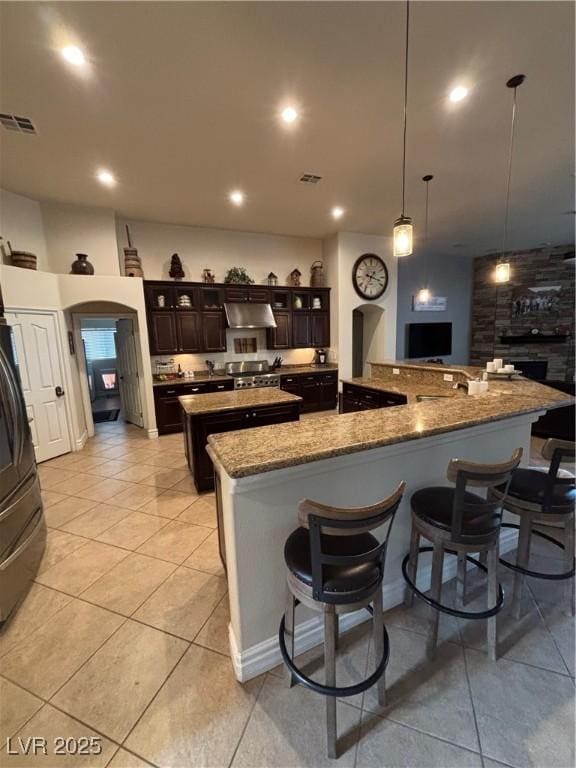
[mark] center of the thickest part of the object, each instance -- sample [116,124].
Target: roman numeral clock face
[370,276]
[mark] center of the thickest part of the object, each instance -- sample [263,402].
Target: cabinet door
[188,324]
[213,332]
[320,329]
[211,424]
[159,297]
[310,393]
[163,338]
[278,414]
[168,410]
[259,295]
[210,297]
[328,391]
[301,329]
[281,336]
[236,293]
[291,384]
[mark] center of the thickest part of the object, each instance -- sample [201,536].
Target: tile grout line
[470,693]
[252,708]
[545,623]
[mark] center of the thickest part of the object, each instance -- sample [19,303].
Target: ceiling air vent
[310,178]
[17,123]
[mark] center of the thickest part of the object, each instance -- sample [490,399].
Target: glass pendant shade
[403,236]
[502,273]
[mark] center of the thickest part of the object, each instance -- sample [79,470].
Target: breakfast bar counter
[352,460]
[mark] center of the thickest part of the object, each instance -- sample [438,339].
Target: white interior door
[127,367]
[36,347]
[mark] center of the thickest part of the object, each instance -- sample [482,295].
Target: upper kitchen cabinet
[311,317]
[160,296]
[213,331]
[211,297]
[240,293]
[188,327]
[162,332]
[281,336]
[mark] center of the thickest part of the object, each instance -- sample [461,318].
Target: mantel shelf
[536,338]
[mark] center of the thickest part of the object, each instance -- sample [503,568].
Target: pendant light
[424,294]
[403,224]
[502,272]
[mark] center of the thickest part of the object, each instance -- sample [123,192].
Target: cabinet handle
[171,392]
[220,386]
[195,389]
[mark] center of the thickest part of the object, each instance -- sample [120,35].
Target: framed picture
[434,304]
[538,302]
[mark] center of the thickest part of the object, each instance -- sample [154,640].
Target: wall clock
[369,276]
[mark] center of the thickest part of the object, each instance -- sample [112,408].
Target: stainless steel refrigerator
[22,525]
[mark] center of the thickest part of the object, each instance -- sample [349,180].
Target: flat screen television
[429,339]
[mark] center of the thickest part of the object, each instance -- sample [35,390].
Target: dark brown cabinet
[319,391]
[239,293]
[356,398]
[320,329]
[162,329]
[301,329]
[281,336]
[213,331]
[167,406]
[200,426]
[188,325]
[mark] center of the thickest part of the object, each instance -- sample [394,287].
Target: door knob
[59,392]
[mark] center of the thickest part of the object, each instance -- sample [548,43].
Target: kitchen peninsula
[352,459]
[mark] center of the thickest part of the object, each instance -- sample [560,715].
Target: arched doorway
[108,362]
[368,342]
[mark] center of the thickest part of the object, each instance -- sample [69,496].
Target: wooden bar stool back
[459,522]
[539,498]
[335,566]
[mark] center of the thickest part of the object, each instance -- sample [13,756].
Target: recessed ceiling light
[106,178]
[289,115]
[458,93]
[236,197]
[337,212]
[73,55]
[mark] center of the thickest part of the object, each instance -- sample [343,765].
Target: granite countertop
[409,388]
[264,449]
[235,400]
[220,375]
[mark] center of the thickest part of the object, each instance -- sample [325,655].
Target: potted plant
[239,276]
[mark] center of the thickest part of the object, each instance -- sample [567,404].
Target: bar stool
[335,566]
[540,497]
[459,522]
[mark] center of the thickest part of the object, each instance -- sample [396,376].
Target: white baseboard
[152,434]
[264,656]
[81,441]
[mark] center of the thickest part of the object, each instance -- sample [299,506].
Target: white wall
[21,224]
[218,249]
[72,229]
[349,247]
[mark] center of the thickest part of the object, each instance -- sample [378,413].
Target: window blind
[99,343]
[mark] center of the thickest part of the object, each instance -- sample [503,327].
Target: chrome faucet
[210,364]
[461,385]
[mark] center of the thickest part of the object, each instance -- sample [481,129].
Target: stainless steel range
[252,373]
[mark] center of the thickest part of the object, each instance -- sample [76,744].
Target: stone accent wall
[492,309]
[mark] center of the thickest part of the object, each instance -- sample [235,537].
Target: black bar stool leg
[378,635]
[330,631]
[492,631]
[289,631]
[412,565]
[461,581]
[435,594]
[569,561]
[522,559]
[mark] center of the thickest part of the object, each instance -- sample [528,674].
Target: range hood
[249,315]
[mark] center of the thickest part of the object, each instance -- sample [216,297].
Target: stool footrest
[537,574]
[445,608]
[330,690]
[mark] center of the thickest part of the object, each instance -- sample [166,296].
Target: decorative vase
[81,266]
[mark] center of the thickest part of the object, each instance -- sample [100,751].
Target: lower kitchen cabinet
[319,391]
[167,407]
[356,398]
[200,426]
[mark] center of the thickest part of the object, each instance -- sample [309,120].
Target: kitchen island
[228,411]
[352,459]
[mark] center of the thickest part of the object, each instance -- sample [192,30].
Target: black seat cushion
[530,485]
[336,578]
[434,506]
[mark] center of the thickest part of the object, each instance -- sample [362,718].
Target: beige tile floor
[123,637]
